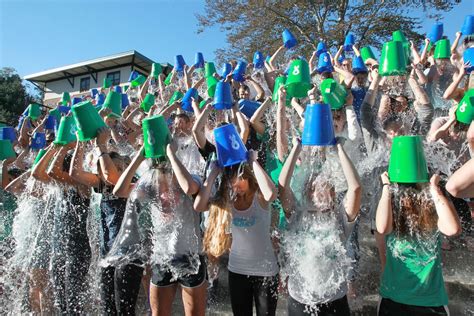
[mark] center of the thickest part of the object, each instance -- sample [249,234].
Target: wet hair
[183,116]
[326,75]
[67,161]
[15,172]
[468,40]
[245,87]
[390,122]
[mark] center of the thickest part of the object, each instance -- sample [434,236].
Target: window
[85,84]
[114,77]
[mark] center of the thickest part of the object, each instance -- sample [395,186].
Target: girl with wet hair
[411,217]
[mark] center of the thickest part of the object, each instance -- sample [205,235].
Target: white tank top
[252,252]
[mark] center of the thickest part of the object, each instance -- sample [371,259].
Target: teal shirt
[413,273]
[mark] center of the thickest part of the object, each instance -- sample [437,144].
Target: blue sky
[37,35]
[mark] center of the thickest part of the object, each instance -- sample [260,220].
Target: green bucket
[156,136]
[138,81]
[177,95]
[465,111]
[393,60]
[298,81]
[168,79]
[442,49]
[209,69]
[66,130]
[333,93]
[6,149]
[202,103]
[147,102]
[398,36]
[107,83]
[113,101]
[65,98]
[125,88]
[56,114]
[39,156]
[34,111]
[280,81]
[366,53]
[407,160]
[87,120]
[211,86]
[156,70]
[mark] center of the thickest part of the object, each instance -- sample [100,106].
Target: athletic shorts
[387,307]
[163,277]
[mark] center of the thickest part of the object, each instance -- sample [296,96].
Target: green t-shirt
[413,273]
[7,209]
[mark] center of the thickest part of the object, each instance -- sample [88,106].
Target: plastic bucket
[168,79]
[39,156]
[366,53]
[289,40]
[87,120]
[442,49]
[155,70]
[186,103]
[318,126]
[177,95]
[38,141]
[138,81]
[156,136]
[179,62]
[258,60]
[211,86]
[468,25]
[65,98]
[113,101]
[125,101]
[468,56]
[324,63]
[333,93]
[322,48]
[280,81]
[465,110]
[66,131]
[94,92]
[248,107]
[6,150]
[147,102]
[50,122]
[223,96]
[436,32]
[358,65]
[407,160]
[349,42]
[8,133]
[398,36]
[226,70]
[199,60]
[118,89]
[34,111]
[133,75]
[239,71]
[76,100]
[63,109]
[107,83]
[209,69]
[230,148]
[298,81]
[392,60]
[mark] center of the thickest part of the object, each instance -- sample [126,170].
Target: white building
[78,79]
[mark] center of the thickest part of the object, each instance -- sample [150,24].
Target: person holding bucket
[309,217]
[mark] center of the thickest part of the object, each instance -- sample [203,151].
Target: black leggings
[390,308]
[339,307]
[245,289]
[119,289]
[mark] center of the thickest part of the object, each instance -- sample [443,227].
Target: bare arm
[56,171]
[461,182]
[185,180]
[265,183]
[434,135]
[77,171]
[451,91]
[354,191]
[39,171]
[286,193]
[448,220]
[260,93]
[18,185]
[202,198]
[124,185]
[384,216]
[281,137]
[255,120]
[199,127]
[280,51]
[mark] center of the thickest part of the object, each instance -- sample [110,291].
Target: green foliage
[257,25]
[14,97]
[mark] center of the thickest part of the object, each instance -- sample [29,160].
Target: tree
[14,97]
[257,25]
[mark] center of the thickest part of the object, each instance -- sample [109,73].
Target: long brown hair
[414,211]
[216,239]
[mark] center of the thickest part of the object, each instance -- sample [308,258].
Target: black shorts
[387,307]
[163,277]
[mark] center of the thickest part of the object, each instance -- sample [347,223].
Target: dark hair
[183,116]
[15,172]
[467,40]
[393,119]
[326,74]
[245,87]
[67,161]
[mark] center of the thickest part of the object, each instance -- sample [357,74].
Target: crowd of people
[79,212]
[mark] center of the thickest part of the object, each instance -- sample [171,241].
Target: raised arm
[199,127]
[124,185]
[17,186]
[461,182]
[56,170]
[281,125]
[77,171]
[452,90]
[189,185]
[280,51]
[255,120]
[202,198]
[260,92]
[448,220]
[267,187]
[284,180]
[39,171]
[354,191]
[436,133]
[454,47]
[384,216]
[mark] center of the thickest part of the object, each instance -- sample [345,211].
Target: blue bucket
[223,96]
[20,122]
[258,60]
[358,65]
[341,58]
[8,133]
[179,62]
[50,122]
[318,126]
[239,71]
[349,42]
[64,109]
[324,63]
[125,101]
[468,56]
[186,102]
[133,75]
[436,32]
[468,25]
[226,70]
[248,107]
[118,89]
[76,100]
[230,148]
[322,48]
[289,40]
[100,99]
[94,92]
[199,60]
[38,141]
